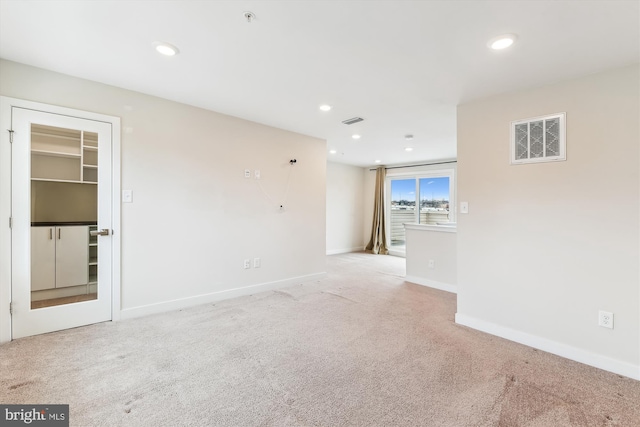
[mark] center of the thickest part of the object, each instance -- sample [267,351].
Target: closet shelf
[55,154]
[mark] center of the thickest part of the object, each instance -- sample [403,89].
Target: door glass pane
[64,190]
[434,200]
[403,208]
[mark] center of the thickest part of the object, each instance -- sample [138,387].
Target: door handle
[103,232]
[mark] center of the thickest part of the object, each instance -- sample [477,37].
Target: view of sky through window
[430,189]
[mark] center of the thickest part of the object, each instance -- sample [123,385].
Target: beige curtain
[378,242]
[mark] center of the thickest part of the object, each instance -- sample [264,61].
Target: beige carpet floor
[360,347]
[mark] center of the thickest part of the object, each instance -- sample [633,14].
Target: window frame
[417,176]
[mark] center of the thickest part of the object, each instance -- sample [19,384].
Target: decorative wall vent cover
[541,139]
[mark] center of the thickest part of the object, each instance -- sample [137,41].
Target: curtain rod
[413,166]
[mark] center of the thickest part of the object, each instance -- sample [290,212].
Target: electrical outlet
[247,263]
[257,263]
[605,319]
[247,173]
[432,264]
[127,196]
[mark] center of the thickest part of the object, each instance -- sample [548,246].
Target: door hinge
[10,308]
[10,135]
[10,222]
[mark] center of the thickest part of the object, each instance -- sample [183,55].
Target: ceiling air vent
[353,120]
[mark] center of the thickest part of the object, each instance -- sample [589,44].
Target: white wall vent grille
[541,139]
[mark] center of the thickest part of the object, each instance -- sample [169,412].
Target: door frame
[6,105]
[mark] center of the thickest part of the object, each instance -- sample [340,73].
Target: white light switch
[464,207]
[127,196]
[257,173]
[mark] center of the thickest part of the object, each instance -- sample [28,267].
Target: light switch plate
[464,207]
[127,196]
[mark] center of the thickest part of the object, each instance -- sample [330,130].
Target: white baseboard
[177,304]
[573,353]
[432,284]
[345,251]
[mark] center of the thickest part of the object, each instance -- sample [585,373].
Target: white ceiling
[403,66]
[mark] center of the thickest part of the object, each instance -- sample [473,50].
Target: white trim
[419,171]
[573,353]
[6,104]
[346,251]
[116,205]
[397,252]
[432,284]
[430,227]
[5,213]
[181,303]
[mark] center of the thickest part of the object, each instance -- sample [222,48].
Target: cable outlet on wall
[247,173]
[432,264]
[247,263]
[605,319]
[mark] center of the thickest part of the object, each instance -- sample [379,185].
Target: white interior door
[61,198]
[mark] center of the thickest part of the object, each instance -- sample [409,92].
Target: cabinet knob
[103,232]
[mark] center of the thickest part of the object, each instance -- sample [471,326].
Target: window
[541,139]
[425,198]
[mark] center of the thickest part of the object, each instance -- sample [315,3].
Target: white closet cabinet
[59,256]
[43,258]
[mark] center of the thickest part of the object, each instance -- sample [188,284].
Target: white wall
[432,243]
[345,208]
[195,217]
[545,246]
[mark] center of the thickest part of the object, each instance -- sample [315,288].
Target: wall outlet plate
[127,196]
[605,319]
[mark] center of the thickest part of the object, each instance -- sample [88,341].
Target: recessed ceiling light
[332,151]
[355,136]
[325,107]
[502,42]
[408,149]
[166,48]
[378,161]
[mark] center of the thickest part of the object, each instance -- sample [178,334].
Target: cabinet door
[72,256]
[43,258]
